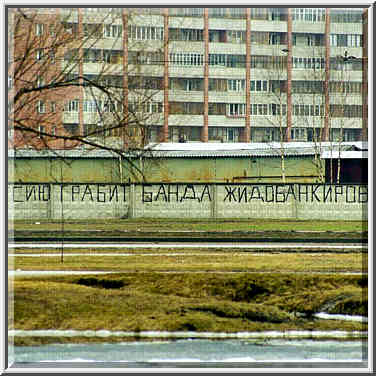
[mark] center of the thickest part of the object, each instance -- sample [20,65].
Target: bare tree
[309,103]
[48,49]
[277,97]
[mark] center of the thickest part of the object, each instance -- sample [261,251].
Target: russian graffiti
[300,192]
[183,193]
[76,193]
[176,193]
[97,193]
[265,193]
[25,193]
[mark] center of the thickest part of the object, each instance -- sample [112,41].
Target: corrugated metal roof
[344,154]
[200,150]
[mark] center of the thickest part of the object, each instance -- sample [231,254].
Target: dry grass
[225,261]
[200,302]
[221,225]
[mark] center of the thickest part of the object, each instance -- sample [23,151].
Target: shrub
[103,283]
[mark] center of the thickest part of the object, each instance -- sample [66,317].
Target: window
[186,59]
[235,109]
[186,108]
[145,32]
[146,107]
[346,16]
[72,106]
[308,63]
[217,12]
[40,82]
[307,110]
[274,38]
[192,84]
[233,61]
[10,133]
[106,57]
[297,133]
[217,109]
[41,107]
[39,29]
[53,106]
[230,135]
[185,34]
[107,31]
[40,130]
[71,127]
[218,133]
[71,28]
[217,59]
[153,107]
[117,31]
[188,12]
[91,106]
[276,14]
[112,31]
[39,54]
[217,84]
[346,40]
[259,13]
[259,37]
[236,85]
[308,14]
[259,85]
[268,62]
[259,109]
[236,36]
[274,109]
[93,30]
[52,30]
[51,55]
[351,134]
[237,12]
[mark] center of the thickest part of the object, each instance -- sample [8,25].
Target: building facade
[206,74]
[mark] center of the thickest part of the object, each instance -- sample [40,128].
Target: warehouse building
[292,162]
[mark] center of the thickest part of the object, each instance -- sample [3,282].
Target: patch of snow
[328,316]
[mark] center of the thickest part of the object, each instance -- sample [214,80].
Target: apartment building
[209,74]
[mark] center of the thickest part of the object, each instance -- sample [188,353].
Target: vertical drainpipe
[125,76]
[247,129]
[325,136]
[205,131]
[364,135]
[81,72]
[289,74]
[164,137]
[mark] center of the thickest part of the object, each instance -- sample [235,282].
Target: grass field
[221,290]
[139,297]
[176,224]
[175,302]
[192,260]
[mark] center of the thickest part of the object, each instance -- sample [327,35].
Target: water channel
[242,352]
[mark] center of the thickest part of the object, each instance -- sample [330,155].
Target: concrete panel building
[216,74]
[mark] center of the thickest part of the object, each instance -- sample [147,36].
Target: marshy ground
[217,290]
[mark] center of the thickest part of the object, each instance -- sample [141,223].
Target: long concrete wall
[170,200]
